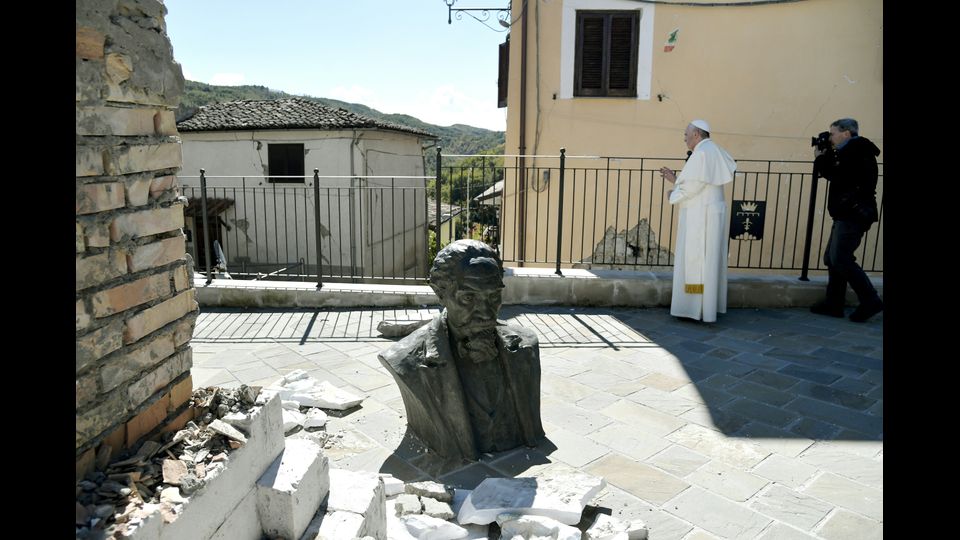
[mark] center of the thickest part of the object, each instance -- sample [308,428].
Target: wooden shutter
[504,73]
[590,57]
[606,53]
[622,79]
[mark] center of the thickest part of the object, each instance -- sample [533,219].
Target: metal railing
[612,212]
[556,211]
[322,228]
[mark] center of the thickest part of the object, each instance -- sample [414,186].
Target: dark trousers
[845,238]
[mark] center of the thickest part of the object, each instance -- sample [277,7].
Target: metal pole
[810,215]
[316,221]
[563,159]
[206,229]
[439,158]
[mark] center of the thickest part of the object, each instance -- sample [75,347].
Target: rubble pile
[163,474]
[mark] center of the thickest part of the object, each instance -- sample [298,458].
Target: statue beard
[478,345]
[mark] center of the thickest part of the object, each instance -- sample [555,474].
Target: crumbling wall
[135,299]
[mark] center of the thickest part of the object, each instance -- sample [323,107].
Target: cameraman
[850,166]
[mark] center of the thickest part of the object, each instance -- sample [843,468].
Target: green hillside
[455,139]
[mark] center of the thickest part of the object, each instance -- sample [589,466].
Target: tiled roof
[292,113]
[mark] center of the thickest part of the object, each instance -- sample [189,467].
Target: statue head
[467,275]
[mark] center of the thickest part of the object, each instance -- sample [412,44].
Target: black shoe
[866,310]
[824,308]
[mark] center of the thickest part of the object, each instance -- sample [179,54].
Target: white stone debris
[515,526]
[408,504]
[227,430]
[560,496]
[607,528]
[435,508]
[315,418]
[433,490]
[292,419]
[308,392]
[391,486]
[430,528]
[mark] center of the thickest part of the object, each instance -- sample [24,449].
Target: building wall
[370,226]
[134,296]
[766,77]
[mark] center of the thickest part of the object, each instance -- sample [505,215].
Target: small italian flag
[671,40]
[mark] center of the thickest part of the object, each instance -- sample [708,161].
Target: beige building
[624,78]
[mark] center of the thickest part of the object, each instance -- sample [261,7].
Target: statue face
[473,305]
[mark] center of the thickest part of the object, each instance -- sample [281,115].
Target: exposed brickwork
[157,253]
[128,295]
[135,306]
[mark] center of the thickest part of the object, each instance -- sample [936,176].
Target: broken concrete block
[171,495]
[526,527]
[238,420]
[408,504]
[291,490]
[327,396]
[294,375]
[391,486]
[243,523]
[292,419]
[290,405]
[437,509]
[433,490]
[431,528]
[225,429]
[360,493]
[560,496]
[335,525]
[315,418]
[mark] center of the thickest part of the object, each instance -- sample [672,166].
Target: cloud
[227,79]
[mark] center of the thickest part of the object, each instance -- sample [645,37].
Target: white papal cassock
[700,263]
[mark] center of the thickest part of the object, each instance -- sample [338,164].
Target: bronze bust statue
[470,383]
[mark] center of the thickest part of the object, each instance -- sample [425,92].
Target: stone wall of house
[136,304]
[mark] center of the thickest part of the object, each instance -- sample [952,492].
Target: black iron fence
[612,212]
[319,228]
[554,211]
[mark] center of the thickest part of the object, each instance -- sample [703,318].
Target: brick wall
[135,299]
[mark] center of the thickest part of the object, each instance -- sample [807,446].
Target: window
[285,160]
[606,53]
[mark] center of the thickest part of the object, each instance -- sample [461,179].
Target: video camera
[822,141]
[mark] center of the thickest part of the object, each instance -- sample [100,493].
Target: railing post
[439,158]
[206,229]
[316,221]
[563,159]
[810,214]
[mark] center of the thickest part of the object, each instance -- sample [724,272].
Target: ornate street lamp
[503,15]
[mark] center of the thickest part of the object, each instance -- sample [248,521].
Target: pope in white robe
[700,262]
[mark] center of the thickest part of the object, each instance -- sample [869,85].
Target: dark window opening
[606,57]
[285,160]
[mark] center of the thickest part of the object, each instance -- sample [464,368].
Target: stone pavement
[767,424]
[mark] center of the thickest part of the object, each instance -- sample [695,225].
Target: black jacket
[852,172]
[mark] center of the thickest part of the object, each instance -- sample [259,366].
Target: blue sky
[397,56]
